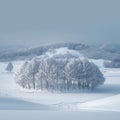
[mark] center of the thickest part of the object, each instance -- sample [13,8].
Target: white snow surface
[82,104]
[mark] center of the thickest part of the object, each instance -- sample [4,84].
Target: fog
[36,22]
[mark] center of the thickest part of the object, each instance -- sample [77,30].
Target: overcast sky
[36,22]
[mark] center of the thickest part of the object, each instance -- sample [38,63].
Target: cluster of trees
[112,64]
[59,72]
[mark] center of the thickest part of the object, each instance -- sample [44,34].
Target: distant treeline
[107,52]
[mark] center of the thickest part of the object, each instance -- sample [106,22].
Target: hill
[108,52]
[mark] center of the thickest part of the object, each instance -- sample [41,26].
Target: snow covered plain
[101,103]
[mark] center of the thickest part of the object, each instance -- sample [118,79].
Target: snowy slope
[96,104]
[10,103]
[106,104]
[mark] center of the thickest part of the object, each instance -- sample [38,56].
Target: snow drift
[61,69]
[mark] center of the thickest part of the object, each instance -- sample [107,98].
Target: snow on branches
[60,70]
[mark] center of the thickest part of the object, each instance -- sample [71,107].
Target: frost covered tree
[21,76]
[26,75]
[9,67]
[61,70]
[32,70]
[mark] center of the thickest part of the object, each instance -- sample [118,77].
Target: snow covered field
[101,103]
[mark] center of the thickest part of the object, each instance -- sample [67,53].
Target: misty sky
[36,22]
